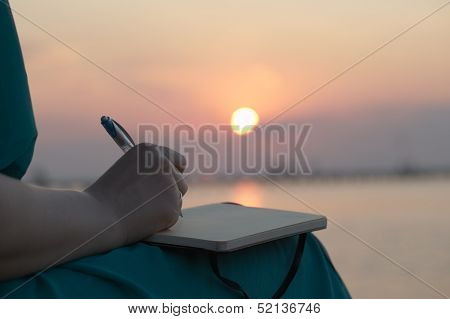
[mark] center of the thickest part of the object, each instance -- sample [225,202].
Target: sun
[243,120]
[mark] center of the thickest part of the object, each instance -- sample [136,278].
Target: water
[407,219]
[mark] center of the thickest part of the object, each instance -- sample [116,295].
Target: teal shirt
[140,270]
[17,129]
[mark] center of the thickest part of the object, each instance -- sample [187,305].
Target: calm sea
[407,219]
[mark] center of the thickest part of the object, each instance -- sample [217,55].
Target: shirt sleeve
[17,127]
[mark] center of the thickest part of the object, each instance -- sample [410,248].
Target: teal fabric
[140,270]
[17,130]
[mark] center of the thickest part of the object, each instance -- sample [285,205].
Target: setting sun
[244,120]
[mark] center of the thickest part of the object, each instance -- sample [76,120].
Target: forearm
[40,227]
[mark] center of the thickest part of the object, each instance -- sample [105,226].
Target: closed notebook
[230,227]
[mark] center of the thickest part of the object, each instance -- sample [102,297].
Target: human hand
[143,189]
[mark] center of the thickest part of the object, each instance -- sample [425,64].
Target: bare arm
[40,226]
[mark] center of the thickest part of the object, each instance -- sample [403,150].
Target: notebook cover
[230,227]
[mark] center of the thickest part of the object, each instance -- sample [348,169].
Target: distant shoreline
[362,176]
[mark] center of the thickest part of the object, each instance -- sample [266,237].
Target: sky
[200,60]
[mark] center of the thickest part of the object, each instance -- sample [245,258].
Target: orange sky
[203,59]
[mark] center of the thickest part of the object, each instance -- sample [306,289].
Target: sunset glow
[243,120]
[206,59]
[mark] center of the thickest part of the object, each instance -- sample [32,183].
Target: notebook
[230,227]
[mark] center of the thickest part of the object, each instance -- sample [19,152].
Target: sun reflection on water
[247,193]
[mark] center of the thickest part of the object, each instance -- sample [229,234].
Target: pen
[120,136]
[117,133]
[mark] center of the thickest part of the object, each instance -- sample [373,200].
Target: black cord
[230,283]
[294,268]
[284,285]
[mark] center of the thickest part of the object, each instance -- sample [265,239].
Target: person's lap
[143,271]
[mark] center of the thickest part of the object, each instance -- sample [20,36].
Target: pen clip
[125,132]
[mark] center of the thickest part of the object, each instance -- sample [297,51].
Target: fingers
[178,160]
[179,180]
[156,151]
[154,158]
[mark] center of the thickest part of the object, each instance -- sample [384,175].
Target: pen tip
[104,118]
